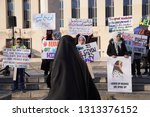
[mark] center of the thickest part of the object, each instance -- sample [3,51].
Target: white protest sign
[49,48]
[119,74]
[16,57]
[120,24]
[89,52]
[80,26]
[45,21]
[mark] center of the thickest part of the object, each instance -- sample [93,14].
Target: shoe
[23,91]
[14,90]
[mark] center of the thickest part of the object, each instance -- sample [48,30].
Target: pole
[13,33]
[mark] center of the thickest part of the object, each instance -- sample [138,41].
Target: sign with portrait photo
[119,74]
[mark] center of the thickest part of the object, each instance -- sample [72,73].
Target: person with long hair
[47,63]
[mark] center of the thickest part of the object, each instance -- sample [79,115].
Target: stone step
[32,94]
[28,80]
[99,63]
[135,87]
[143,80]
[29,86]
[36,80]
[28,98]
[137,95]
[5,95]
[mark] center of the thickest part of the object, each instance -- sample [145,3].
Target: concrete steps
[141,90]
[138,95]
[32,94]
[36,88]
[135,87]
[5,95]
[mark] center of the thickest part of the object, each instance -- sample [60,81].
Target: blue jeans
[19,84]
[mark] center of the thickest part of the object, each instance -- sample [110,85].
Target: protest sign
[16,57]
[80,26]
[49,48]
[119,74]
[45,21]
[135,43]
[120,24]
[89,52]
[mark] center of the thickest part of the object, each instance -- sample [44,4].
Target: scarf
[117,44]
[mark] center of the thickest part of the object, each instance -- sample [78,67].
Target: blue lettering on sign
[50,55]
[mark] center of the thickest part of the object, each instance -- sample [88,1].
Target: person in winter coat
[117,47]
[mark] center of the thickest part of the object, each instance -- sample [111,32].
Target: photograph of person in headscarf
[117,70]
[81,42]
[70,77]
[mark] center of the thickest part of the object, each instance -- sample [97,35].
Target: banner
[119,74]
[49,48]
[80,26]
[135,42]
[89,52]
[45,21]
[120,24]
[16,57]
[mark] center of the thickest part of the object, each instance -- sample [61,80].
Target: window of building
[27,42]
[127,7]
[10,10]
[26,14]
[92,13]
[61,13]
[109,9]
[146,8]
[75,8]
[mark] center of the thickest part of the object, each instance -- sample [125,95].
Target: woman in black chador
[70,78]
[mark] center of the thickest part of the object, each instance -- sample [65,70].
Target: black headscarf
[70,78]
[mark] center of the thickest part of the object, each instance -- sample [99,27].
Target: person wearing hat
[117,47]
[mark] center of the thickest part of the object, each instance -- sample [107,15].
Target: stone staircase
[140,85]
[36,88]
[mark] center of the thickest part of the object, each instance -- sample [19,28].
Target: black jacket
[112,51]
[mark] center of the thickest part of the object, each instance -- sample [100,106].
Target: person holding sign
[81,42]
[47,63]
[70,77]
[19,83]
[117,47]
